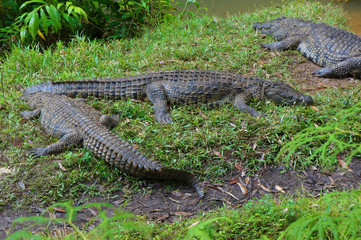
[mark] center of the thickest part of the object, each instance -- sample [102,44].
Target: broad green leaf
[54,17]
[65,16]
[34,25]
[22,16]
[23,33]
[44,21]
[30,15]
[32,1]
[70,9]
[81,12]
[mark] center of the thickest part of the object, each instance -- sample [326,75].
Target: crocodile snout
[307,100]
[257,25]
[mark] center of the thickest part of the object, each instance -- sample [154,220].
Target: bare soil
[237,188]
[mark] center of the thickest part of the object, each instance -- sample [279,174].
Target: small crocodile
[192,87]
[73,121]
[334,49]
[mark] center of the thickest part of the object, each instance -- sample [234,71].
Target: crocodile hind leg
[288,43]
[70,138]
[31,114]
[240,102]
[347,67]
[156,94]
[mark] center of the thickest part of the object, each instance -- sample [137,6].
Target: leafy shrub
[50,17]
[325,143]
[47,21]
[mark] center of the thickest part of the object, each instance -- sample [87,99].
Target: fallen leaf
[238,167]
[22,185]
[61,166]
[247,180]
[332,181]
[193,224]
[135,146]
[162,218]
[265,188]
[5,170]
[315,108]
[183,214]
[94,213]
[232,124]
[59,210]
[254,146]
[313,168]
[173,200]
[233,181]
[218,154]
[177,193]
[343,163]
[243,189]
[280,189]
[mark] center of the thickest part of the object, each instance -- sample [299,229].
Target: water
[222,7]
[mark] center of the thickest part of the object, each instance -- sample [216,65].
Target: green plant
[185,10]
[110,223]
[341,135]
[205,230]
[330,223]
[49,18]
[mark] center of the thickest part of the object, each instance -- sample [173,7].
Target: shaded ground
[238,187]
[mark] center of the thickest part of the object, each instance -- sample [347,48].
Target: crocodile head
[282,93]
[279,28]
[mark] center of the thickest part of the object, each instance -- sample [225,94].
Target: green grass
[227,44]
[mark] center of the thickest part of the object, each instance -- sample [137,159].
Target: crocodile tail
[114,88]
[42,87]
[183,176]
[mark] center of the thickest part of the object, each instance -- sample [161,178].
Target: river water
[222,7]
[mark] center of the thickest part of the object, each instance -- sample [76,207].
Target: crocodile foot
[164,118]
[323,72]
[38,152]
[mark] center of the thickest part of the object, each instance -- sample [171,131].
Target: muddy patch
[161,204]
[302,71]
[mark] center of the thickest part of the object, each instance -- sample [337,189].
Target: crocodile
[334,49]
[72,121]
[192,87]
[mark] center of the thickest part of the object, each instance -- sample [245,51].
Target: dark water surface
[222,7]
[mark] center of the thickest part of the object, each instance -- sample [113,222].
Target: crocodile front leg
[240,102]
[156,94]
[72,137]
[288,43]
[341,69]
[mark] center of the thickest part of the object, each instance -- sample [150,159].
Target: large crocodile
[73,121]
[192,87]
[336,50]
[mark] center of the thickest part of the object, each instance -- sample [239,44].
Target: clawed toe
[38,152]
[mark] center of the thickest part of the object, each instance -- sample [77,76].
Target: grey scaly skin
[191,87]
[73,121]
[336,50]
